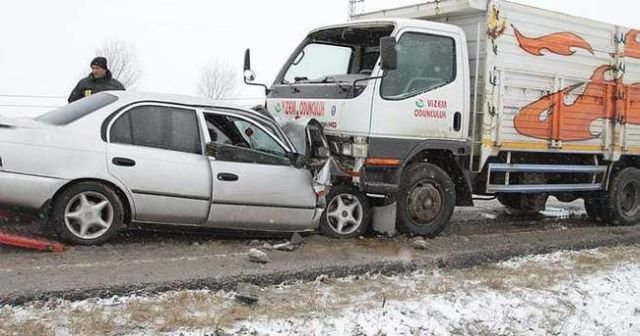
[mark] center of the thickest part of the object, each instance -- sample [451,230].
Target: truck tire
[87,213]
[594,206]
[348,213]
[426,200]
[622,205]
[529,203]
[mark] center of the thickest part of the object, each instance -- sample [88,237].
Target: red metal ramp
[27,241]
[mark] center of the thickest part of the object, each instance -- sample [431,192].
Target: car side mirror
[388,53]
[211,149]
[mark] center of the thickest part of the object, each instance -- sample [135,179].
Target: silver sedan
[116,158]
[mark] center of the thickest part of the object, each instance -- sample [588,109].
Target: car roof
[129,97]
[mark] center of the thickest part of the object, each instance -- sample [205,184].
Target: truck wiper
[332,80]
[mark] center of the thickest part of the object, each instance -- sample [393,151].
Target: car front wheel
[87,213]
[347,215]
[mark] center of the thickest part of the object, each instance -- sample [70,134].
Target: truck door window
[318,61]
[425,62]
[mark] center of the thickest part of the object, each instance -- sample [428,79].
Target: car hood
[308,138]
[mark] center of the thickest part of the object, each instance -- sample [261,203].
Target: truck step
[597,183]
[541,168]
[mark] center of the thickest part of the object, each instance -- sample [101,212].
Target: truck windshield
[336,55]
[318,61]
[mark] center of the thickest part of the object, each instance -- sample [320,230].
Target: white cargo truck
[428,105]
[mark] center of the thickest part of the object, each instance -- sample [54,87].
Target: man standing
[99,80]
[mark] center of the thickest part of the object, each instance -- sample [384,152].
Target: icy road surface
[592,292]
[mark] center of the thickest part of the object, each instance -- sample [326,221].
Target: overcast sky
[46,46]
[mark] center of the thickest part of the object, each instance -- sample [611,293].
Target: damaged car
[120,158]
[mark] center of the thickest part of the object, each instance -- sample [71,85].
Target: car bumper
[29,191]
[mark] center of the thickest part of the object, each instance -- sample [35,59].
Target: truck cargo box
[543,81]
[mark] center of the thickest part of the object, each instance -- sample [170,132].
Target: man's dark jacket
[89,85]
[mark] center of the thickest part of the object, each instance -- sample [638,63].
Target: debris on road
[296,239]
[247,293]
[258,256]
[288,247]
[420,244]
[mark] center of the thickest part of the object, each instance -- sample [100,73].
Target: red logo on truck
[303,108]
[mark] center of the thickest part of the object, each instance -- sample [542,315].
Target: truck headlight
[347,149]
[360,150]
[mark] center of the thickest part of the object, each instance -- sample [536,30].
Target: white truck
[428,105]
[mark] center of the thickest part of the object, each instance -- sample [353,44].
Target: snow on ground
[594,292]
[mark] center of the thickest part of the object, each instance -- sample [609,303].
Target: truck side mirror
[388,53]
[247,59]
[249,75]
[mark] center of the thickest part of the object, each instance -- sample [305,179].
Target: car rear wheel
[348,213]
[87,213]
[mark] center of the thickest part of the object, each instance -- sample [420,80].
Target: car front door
[255,185]
[156,152]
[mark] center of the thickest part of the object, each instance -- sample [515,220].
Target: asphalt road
[145,261]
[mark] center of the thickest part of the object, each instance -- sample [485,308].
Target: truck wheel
[348,213]
[594,208]
[530,203]
[623,202]
[87,213]
[426,200]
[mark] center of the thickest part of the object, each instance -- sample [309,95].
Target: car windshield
[76,110]
[328,55]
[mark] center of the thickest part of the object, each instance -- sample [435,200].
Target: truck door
[426,96]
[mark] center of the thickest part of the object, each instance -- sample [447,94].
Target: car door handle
[119,161]
[227,177]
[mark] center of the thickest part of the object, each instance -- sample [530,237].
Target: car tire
[622,204]
[87,213]
[426,200]
[348,213]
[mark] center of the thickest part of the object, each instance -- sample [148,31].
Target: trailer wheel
[426,200]
[594,206]
[623,202]
[87,213]
[347,215]
[530,203]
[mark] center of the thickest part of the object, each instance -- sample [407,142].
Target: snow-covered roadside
[607,303]
[595,292]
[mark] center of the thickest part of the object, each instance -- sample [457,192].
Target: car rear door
[255,185]
[156,151]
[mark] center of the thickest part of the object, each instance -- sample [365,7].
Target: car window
[425,62]
[76,110]
[246,141]
[161,127]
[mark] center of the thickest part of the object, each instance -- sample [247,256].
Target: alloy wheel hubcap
[88,215]
[344,214]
